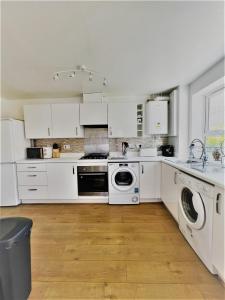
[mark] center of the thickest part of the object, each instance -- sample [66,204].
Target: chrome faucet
[203,157]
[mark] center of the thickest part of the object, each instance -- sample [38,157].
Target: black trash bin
[15,262]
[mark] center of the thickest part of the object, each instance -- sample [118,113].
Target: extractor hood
[93,113]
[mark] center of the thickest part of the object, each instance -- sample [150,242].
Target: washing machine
[195,211]
[123,183]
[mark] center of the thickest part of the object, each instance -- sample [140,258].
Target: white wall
[14,108]
[207,82]
[214,73]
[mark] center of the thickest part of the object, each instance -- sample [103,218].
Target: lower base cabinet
[50,181]
[169,190]
[62,181]
[150,181]
[219,233]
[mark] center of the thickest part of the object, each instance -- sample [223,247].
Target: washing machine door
[192,208]
[123,179]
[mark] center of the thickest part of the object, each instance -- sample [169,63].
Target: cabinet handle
[32,190]
[175,178]
[218,202]
[31,175]
[48,131]
[142,169]
[110,130]
[73,170]
[76,131]
[31,167]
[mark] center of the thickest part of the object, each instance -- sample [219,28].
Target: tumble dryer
[123,183]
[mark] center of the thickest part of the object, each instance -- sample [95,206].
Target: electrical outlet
[66,147]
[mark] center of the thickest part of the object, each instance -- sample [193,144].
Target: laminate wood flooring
[98,251]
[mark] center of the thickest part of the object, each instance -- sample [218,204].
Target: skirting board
[143,200]
[80,200]
[59,201]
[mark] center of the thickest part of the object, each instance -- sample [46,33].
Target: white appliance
[47,152]
[156,117]
[13,145]
[195,209]
[123,183]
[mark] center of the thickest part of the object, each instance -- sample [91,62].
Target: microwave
[35,152]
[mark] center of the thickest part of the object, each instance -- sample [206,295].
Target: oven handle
[92,173]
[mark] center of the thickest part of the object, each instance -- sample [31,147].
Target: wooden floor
[112,252]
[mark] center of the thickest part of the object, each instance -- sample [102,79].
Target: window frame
[207,131]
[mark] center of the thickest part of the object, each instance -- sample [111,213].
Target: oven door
[92,182]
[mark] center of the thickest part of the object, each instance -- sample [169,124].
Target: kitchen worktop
[213,173]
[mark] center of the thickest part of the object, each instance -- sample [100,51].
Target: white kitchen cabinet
[219,232]
[169,189]
[66,121]
[32,182]
[173,114]
[62,181]
[156,121]
[122,120]
[93,114]
[150,177]
[38,121]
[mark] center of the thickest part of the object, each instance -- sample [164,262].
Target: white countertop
[213,173]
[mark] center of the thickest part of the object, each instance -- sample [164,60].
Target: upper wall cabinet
[173,109]
[157,117]
[122,120]
[52,121]
[66,121]
[93,114]
[38,121]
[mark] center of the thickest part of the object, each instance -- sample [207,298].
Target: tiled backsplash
[97,139]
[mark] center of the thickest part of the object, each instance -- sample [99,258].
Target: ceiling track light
[68,74]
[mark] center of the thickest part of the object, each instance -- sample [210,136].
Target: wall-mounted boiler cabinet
[156,117]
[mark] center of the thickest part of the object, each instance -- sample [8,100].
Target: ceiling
[141,47]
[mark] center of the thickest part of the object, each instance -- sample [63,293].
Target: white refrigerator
[13,148]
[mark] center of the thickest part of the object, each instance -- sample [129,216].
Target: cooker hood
[93,112]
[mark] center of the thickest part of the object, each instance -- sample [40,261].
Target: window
[214,121]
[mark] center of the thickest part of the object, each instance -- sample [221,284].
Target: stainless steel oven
[92,180]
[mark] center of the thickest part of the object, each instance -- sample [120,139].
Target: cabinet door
[122,120]
[150,180]
[93,114]
[172,113]
[38,121]
[219,232]
[169,189]
[62,181]
[66,121]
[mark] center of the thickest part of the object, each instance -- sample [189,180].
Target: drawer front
[32,178]
[33,192]
[31,167]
